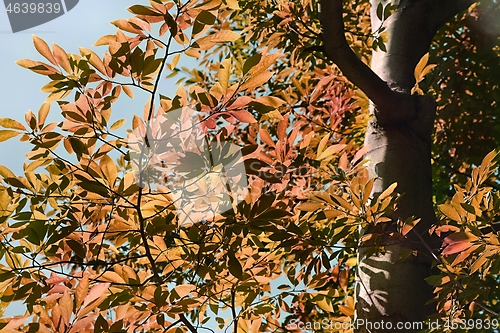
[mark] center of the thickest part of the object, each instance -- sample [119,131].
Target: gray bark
[399,139]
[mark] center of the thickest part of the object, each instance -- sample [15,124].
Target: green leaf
[206,17]
[234,266]
[143,10]
[380,11]
[251,62]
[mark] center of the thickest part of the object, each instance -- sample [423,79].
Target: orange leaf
[95,293]
[61,57]
[42,48]
[243,116]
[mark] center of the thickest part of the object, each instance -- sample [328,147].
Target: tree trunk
[399,138]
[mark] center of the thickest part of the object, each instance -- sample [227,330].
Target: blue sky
[20,88]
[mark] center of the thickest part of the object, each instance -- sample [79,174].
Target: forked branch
[338,50]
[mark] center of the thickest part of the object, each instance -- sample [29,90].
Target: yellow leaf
[450,212]
[175,60]
[257,81]
[109,169]
[105,40]
[275,114]
[322,143]
[117,124]
[388,191]
[42,114]
[125,26]
[8,134]
[420,66]
[272,101]
[233,4]
[93,59]
[193,53]
[11,123]
[264,63]
[480,262]
[330,151]
[351,262]
[112,277]
[224,74]
[325,305]
[6,173]
[42,48]
[66,305]
[221,36]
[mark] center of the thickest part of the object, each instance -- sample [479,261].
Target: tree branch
[338,50]
[186,322]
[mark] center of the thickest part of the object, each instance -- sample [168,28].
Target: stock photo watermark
[31,13]
[339,326]
[173,154]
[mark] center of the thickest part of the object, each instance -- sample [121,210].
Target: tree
[156,229]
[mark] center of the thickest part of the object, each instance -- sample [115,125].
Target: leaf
[11,123]
[109,169]
[224,74]
[112,277]
[234,266]
[143,10]
[243,116]
[330,151]
[42,114]
[42,48]
[233,4]
[82,290]
[458,242]
[271,101]
[310,206]
[184,289]
[117,124]
[66,305]
[380,11]
[325,305]
[128,91]
[8,134]
[126,26]
[264,64]
[105,40]
[388,191]
[251,62]
[450,212]
[94,59]
[256,81]
[222,36]
[95,293]
[61,57]
[175,60]
[6,173]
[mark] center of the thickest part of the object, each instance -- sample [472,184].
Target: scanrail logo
[201,175]
[31,13]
